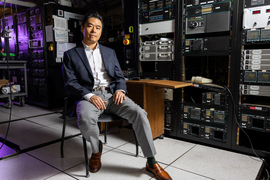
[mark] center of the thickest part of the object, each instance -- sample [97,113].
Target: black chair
[105,118]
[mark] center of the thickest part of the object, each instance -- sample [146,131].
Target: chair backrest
[70,104]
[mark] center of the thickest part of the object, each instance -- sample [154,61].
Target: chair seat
[109,118]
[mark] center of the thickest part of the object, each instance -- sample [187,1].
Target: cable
[193,101]
[267,174]
[235,118]
[9,83]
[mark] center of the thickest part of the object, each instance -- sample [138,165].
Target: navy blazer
[78,75]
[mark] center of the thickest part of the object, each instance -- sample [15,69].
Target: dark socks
[151,161]
[100,146]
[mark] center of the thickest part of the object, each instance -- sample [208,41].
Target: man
[93,75]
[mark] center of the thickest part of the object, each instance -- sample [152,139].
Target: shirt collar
[88,48]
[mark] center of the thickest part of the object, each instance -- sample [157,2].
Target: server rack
[206,115]
[251,103]
[46,51]
[156,44]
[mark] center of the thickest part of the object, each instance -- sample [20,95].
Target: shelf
[192,54]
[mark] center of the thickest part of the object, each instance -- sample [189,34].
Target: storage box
[3,82]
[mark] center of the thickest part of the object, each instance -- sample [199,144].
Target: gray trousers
[88,115]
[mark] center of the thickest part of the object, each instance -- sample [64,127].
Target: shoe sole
[151,172]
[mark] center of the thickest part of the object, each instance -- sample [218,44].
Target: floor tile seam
[12,120]
[128,153]
[40,115]
[33,129]
[38,146]
[116,148]
[44,162]
[182,155]
[28,119]
[112,148]
[46,144]
[59,173]
[50,127]
[193,173]
[24,118]
[5,111]
[63,171]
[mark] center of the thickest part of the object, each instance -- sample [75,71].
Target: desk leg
[154,106]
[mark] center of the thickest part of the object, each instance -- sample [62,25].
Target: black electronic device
[214,133]
[154,11]
[215,116]
[263,77]
[253,35]
[214,98]
[255,122]
[194,45]
[215,17]
[157,15]
[193,129]
[190,3]
[255,3]
[265,35]
[208,9]
[250,76]
[14,88]
[43,50]
[191,112]
[208,44]
[168,121]
[253,107]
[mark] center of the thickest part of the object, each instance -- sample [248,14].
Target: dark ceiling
[84,4]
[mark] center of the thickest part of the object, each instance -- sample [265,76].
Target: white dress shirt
[101,77]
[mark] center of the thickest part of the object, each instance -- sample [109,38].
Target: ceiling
[13,6]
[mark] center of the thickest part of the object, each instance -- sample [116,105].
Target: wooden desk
[149,94]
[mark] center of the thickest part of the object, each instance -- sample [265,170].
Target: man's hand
[118,97]
[98,102]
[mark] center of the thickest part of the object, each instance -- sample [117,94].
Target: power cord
[235,118]
[10,89]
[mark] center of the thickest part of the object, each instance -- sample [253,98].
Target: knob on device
[194,24]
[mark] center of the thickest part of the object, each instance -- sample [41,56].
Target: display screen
[195,114]
[264,77]
[217,99]
[258,123]
[218,135]
[256,2]
[219,117]
[250,76]
[256,12]
[253,35]
[265,34]
[195,130]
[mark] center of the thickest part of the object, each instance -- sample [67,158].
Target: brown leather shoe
[94,162]
[159,172]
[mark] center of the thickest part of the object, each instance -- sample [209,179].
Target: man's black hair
[94,14]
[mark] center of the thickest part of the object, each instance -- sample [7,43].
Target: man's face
[91,30]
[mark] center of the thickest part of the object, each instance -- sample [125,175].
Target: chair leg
[63,135]
[136,143]
[105,133]
[86,158]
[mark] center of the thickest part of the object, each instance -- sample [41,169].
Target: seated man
[93,75]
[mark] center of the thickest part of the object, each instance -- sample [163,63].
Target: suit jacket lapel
[81,52]
[105,58]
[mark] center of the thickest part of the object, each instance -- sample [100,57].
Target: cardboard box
[3,82]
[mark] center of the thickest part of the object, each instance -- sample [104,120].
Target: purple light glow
[6,151]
